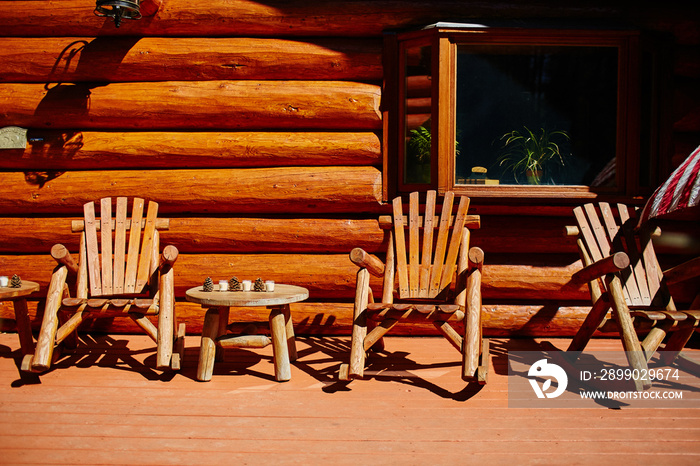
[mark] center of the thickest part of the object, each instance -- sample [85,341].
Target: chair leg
[166,318]
[378,343]
[71,340]
[630,341]
[359,328]
[471,346]
[207,350]
[178,348]
[49,325]
[655,336]
[593,320]
[677,341]
[482,373]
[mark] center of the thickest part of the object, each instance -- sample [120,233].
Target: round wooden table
[24,327]
[216,319]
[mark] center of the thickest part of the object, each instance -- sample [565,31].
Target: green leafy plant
[418,155]
[419,144]
[530,155]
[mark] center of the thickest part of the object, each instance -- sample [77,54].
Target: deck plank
[114,408]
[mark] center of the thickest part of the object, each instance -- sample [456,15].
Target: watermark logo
[559,379]
[542,369]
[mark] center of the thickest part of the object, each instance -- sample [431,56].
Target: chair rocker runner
[119,273]
[439,281]
[623,274]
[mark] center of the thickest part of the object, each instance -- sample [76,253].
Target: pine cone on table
[234,284]
[15,281]
[259,285]
[208,285]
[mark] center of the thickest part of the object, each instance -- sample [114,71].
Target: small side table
[216,322]
[24,327]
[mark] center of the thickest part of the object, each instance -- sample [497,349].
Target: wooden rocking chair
[118,282]
[622,272]
[428,290]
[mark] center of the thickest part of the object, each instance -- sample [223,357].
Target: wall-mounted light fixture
[118,9]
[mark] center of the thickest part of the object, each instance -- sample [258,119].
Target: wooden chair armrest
[168,258]
[476,257]
[682,272]
[363,259]
[611,264]
[60,253]
[572,230]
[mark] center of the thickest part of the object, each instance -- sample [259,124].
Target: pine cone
[259,285]
[208,284]
[15,281]
[234,284]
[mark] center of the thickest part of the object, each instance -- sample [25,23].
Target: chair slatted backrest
[426,266]
[604,234]
[113,268]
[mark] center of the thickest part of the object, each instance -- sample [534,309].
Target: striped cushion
[679,192]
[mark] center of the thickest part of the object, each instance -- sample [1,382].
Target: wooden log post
[630,341]
[473,335]
[359,327]
[47,337]
[166,314]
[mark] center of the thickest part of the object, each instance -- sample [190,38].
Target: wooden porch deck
[120,411]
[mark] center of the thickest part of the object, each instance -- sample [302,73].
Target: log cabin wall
[257,127]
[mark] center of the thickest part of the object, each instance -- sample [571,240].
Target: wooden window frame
[444,42]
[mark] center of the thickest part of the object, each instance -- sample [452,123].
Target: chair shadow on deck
[503,349]
[322,359]
[99,350]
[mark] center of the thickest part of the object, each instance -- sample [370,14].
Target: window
[518,112]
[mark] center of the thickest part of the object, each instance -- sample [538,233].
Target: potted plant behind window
[530,155]
[418,155]
[418,149]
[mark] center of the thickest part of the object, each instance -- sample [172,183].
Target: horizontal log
[307,234]
[335,318]
[206,191]
[289,18]
[231,233]
[324,275]
[211,235]
[90,150]
[227,234]
[327,105]
[328,275]
[134,59]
